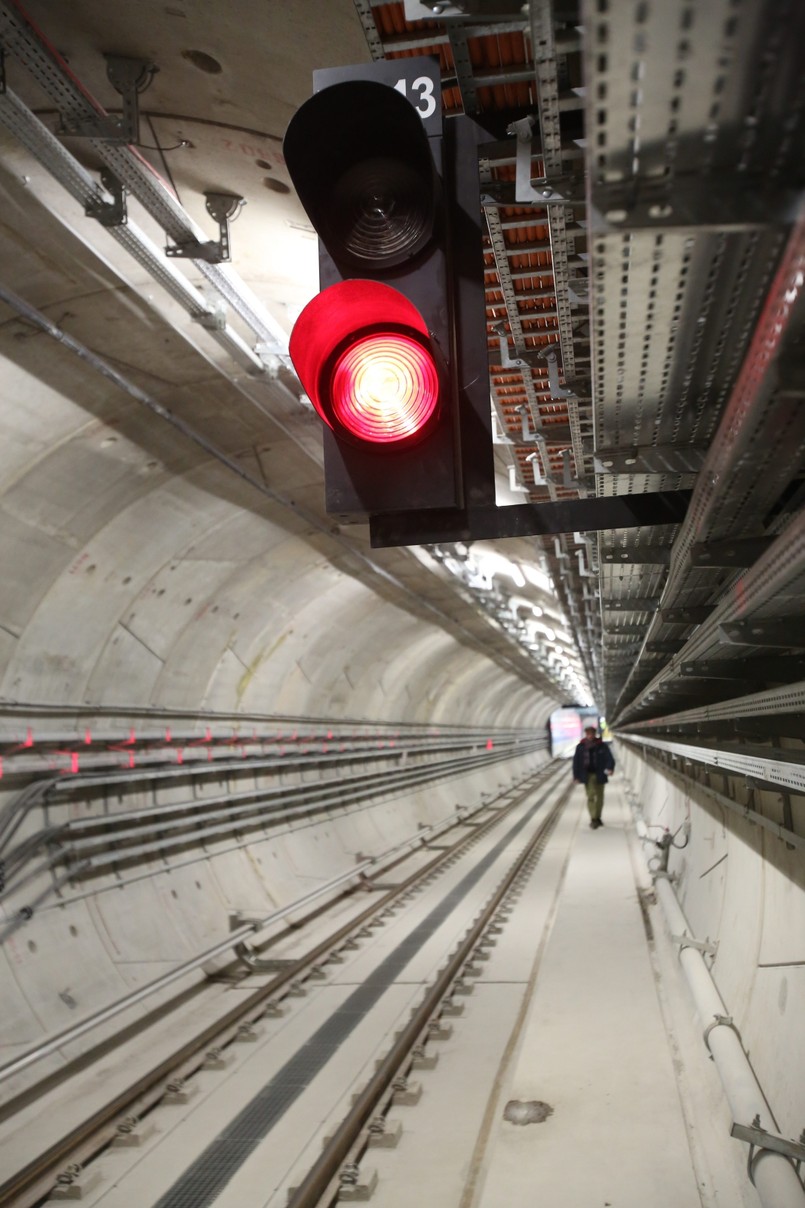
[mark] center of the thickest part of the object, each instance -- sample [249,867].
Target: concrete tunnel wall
[135,587]
[742,888]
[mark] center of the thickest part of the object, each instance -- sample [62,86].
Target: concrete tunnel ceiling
[146,572]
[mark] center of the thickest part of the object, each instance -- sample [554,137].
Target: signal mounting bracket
[129,77]
[223,208]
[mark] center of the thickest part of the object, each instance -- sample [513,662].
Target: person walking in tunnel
[593,762]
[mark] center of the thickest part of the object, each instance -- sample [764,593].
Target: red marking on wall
[87,737]
[179,755]
[79,562]
[74,762]
[490,745]
[168,735]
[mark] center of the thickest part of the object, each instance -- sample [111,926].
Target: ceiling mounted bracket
[109,213]
[759,1139]
[550,358]
[540,192]
[538,464]
[128,77]
[223,208]
[521,359]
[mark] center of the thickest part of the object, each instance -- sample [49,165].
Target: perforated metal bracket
[540,192]
[128,77]
[693,204]
[520,360]
[783,632]
[552,362]
[760,1139]
[741,553]
[222,208]
[109,213]
[657,459]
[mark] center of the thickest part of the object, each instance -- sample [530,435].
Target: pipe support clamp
[720,1021]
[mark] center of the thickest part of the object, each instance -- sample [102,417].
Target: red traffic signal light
[392,352]
[364,356]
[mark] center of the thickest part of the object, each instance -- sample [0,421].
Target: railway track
[68,1161]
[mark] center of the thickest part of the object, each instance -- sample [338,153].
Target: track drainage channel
[205,1178]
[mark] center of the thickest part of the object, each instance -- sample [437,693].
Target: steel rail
[41,792]
[325,1169]
[328,792]
[104,1014]
[33,1183]
[378,783]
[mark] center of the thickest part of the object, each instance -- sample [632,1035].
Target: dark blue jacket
[601,759]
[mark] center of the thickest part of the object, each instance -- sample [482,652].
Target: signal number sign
[418,80]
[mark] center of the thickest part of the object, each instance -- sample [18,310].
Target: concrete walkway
[594,1049]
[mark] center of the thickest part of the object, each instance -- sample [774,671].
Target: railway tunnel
[300,902]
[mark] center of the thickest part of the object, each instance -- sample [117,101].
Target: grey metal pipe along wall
[776,1180]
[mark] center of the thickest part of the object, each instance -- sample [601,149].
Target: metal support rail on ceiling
[763,590]
[760,375]
[67,170]
[771,765]
[72,101]
[788,699]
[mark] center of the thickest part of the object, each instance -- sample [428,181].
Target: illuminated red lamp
[364,356]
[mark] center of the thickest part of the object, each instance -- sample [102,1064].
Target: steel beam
[692,615]
[694,203]
[768,670]
[648,555]
[528,520]
[785,634]
[741,553]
